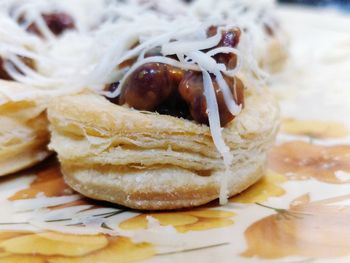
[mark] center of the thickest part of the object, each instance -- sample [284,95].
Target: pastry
[186,119]
[149,161]
[23,132]
[180,127]
[25,88]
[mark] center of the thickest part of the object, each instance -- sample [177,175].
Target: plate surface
[298,212]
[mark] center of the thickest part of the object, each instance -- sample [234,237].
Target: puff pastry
[149,161]
[23,132]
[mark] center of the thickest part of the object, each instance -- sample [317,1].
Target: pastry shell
[144,160]
[24,131]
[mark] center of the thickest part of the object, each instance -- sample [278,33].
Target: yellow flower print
[314,129]
[23,259]
[5,236]
[119,250]
[51,247]
[184,221]
[266,187]
[46,244]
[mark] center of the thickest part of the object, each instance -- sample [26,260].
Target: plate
[298,212]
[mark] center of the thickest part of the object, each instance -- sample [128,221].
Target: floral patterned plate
[298,212]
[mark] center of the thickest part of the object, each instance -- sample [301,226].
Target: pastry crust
[23,132]
[149,161]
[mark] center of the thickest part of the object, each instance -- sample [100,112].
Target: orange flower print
[311,229]
[300,160]
[49,181]
[267,186]
[196,220]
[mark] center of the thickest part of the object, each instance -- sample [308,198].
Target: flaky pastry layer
[149,161]
[24,131]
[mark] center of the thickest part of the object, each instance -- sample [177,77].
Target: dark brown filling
[176,92]
[57,23]
[150,85]
[191,89]
[175,106]
[3,73]
[229,39]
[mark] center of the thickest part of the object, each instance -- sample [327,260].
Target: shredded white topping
[174,47]
[215,128]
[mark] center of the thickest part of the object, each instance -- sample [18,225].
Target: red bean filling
[229,39]
[150,85]
[173,91]
[191,89]
[56,22]
[175,106]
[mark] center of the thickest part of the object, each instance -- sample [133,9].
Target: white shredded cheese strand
[43,28]
[227,50]
[155,59]
[22,67]
[209,64]
[174,47]
[231,104]
[205,61]
[216,133]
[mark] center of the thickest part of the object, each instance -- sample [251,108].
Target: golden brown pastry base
[149,161]
[162,189]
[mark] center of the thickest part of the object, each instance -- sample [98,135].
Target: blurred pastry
[24,130]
